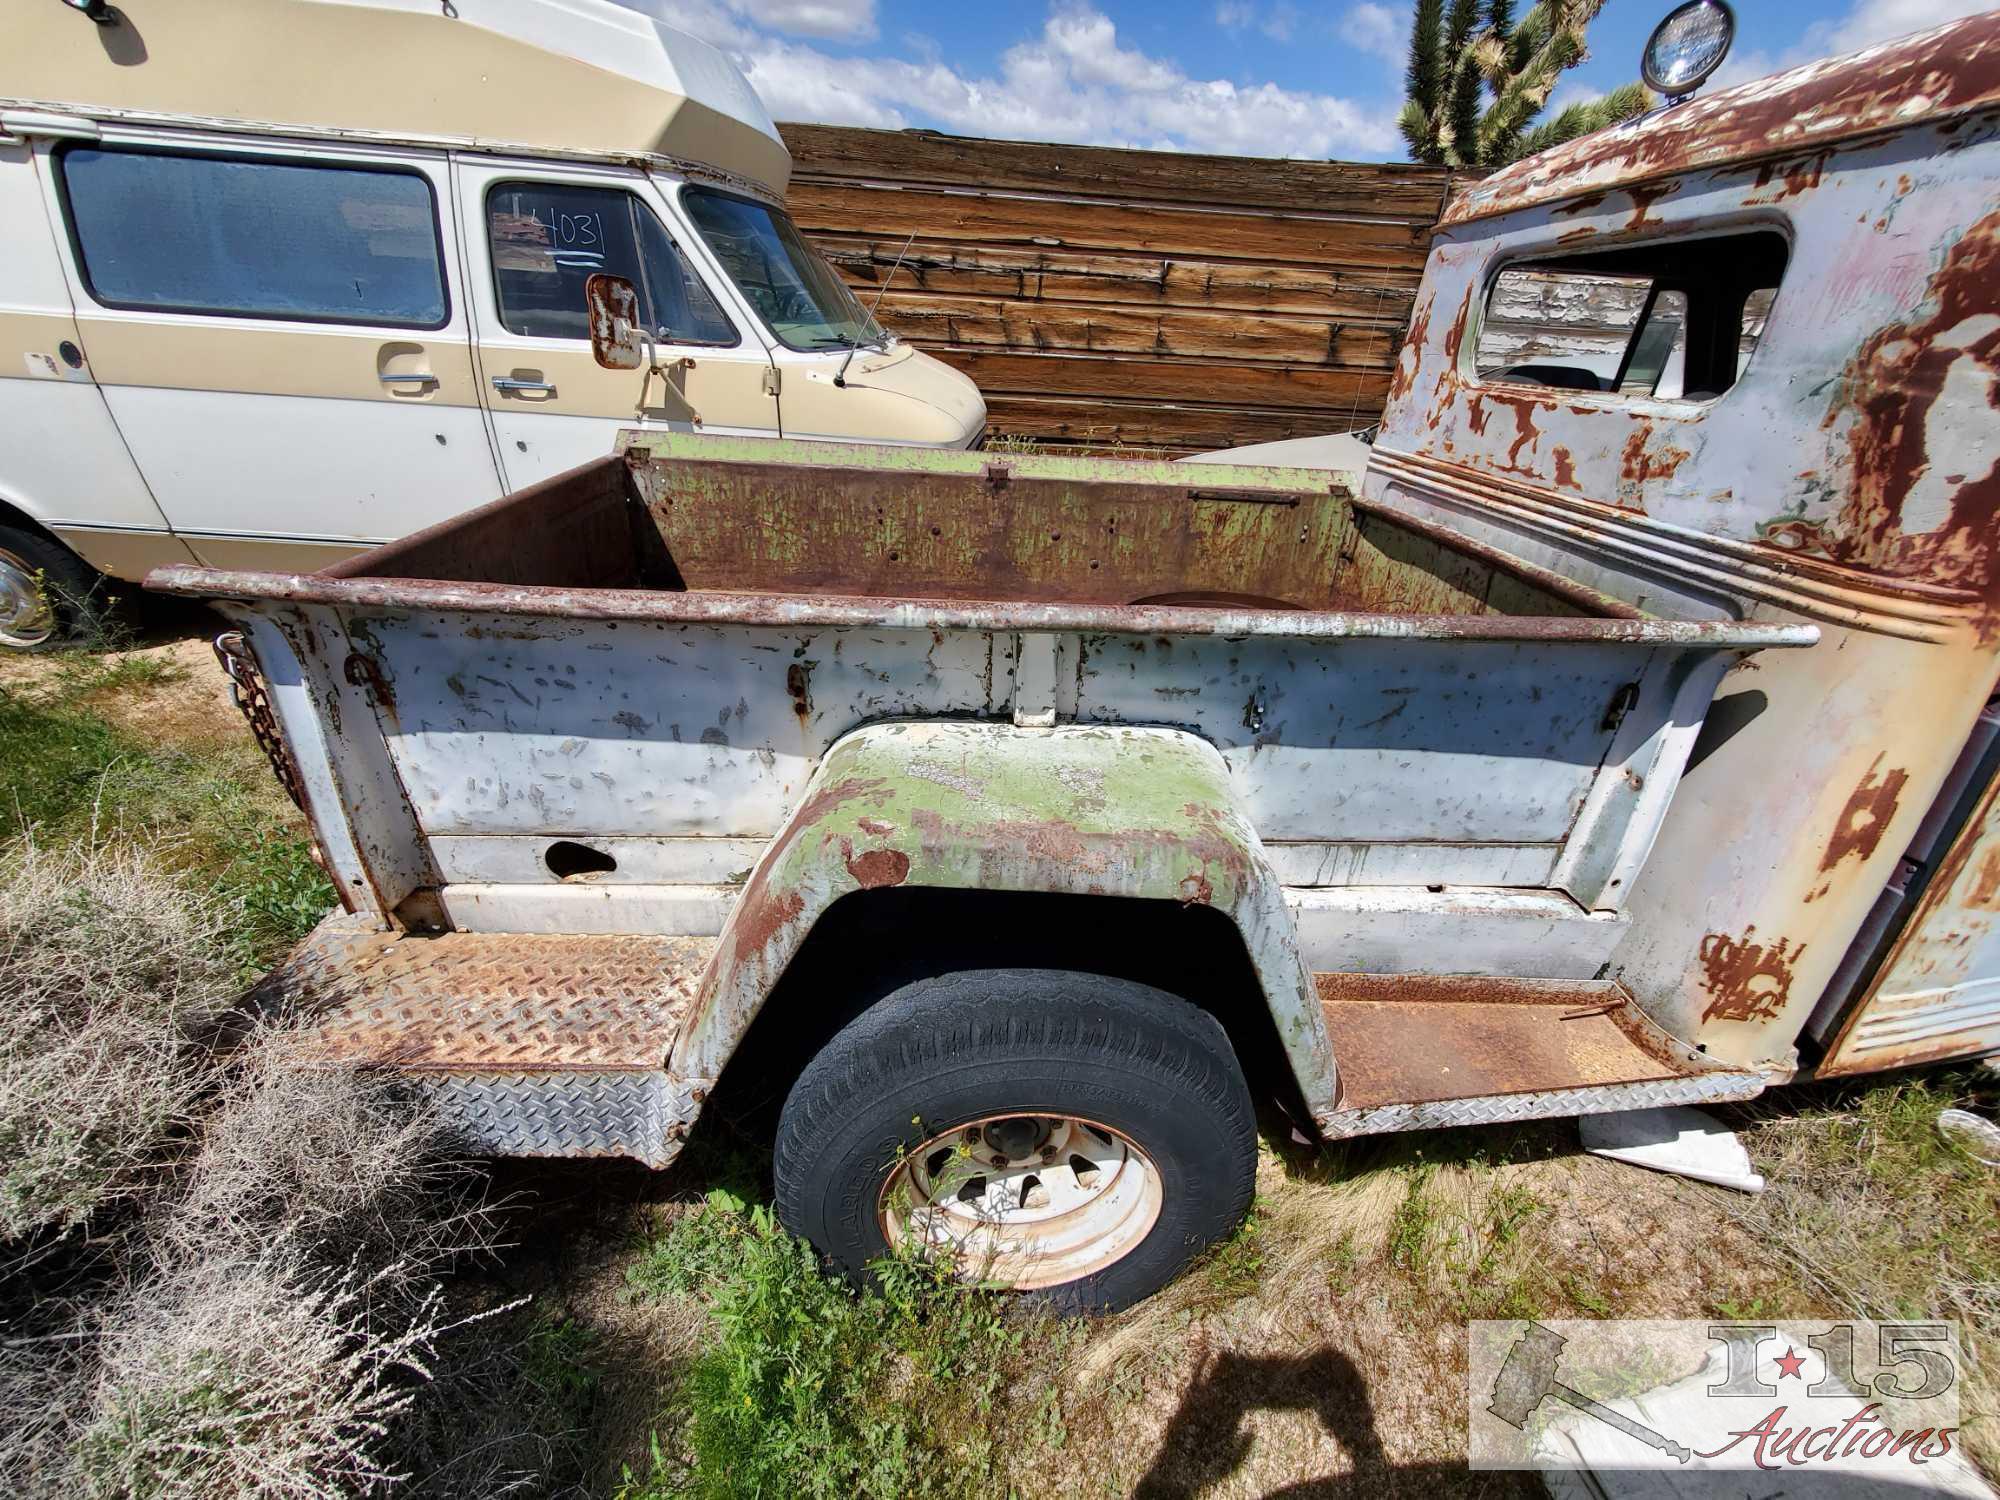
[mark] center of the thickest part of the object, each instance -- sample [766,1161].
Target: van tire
[70,592]
[1142,1071]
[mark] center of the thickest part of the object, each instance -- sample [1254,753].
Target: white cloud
[1278,21]
[1568,93]
[839,20]
[1073,81]
[1373,28]
[736,22]
[1866,23]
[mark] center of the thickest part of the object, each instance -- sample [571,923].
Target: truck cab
[1737,359]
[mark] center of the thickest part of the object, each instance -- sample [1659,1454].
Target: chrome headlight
[1687,47]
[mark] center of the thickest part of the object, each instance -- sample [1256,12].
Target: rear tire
[49,597]
[944,1112]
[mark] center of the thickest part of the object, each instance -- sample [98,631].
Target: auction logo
[1848,1396]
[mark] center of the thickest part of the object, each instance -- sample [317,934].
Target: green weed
[1234,1268]
[68,774]
[1413,1223]
[816,1388]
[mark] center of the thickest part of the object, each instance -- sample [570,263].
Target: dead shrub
[105,966]
[259,1378]
[265,1309]
[328,1163]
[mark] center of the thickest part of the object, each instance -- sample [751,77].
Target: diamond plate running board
[1426,1052]
[1502,1109]
[531,1044]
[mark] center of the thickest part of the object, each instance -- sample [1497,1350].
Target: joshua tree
[1477,79]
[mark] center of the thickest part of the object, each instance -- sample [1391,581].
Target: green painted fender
[1083,810]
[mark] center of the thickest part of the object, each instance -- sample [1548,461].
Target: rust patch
[1891,387]
[1195,888]
[1867,813]
[1565,469]
[798,682]
[1454,336]
[1643,198]
[1985,892]
[1746,980]
[1410,357]
[1584,204]
[1778,180]
[877,867]
[880,827]
[763,914]
[1639,465]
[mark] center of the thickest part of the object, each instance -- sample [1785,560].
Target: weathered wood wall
[1106,297]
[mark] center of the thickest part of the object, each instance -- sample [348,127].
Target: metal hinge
[771,380]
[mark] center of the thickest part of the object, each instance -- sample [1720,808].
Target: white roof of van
[583,76]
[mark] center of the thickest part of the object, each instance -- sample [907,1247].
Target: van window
[1674,321]
[547,239]
[255,238]
[798,295]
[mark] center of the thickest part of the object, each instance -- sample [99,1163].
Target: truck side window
[548,238]
[256,238]
[1674,321]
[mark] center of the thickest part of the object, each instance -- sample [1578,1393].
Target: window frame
[1531,255]
[261,159]
[714,190]
[499,184]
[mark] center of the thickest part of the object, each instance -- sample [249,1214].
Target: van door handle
[508,384]
[413,377]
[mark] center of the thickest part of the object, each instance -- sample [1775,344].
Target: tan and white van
[283,279]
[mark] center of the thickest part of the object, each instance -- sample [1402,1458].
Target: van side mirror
[617,339]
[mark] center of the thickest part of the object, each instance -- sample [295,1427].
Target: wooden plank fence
[1109,298]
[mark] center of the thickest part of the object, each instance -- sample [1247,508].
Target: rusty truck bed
[678,701]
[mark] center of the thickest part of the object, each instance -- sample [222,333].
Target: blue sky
[1249,77]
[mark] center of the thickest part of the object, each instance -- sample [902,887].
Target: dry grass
[1882,1217]
[270,1377]
[224,1270]
[1326,1347]
[105,968]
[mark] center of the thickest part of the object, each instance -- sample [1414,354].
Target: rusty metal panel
[1846,478]
[490,1002]
[1101,811]
[1938,993]
[538,1045]
[1421,1052]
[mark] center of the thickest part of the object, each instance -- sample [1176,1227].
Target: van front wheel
[48,595]
[1065,1135]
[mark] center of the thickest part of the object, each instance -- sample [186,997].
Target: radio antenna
[840,375]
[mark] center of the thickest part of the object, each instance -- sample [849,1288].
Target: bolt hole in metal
[27,614]
[1023,1201]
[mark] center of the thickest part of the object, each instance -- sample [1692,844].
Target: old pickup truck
[1013,821]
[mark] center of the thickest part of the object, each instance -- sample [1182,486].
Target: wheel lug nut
[971,1134]
[1048,1154]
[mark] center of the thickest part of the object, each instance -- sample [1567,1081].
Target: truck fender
[1080,810]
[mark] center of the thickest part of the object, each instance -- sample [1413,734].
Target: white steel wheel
[27,614]
[1024,1201]
[1072,1138]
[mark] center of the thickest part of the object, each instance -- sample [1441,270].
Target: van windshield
[797,294]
